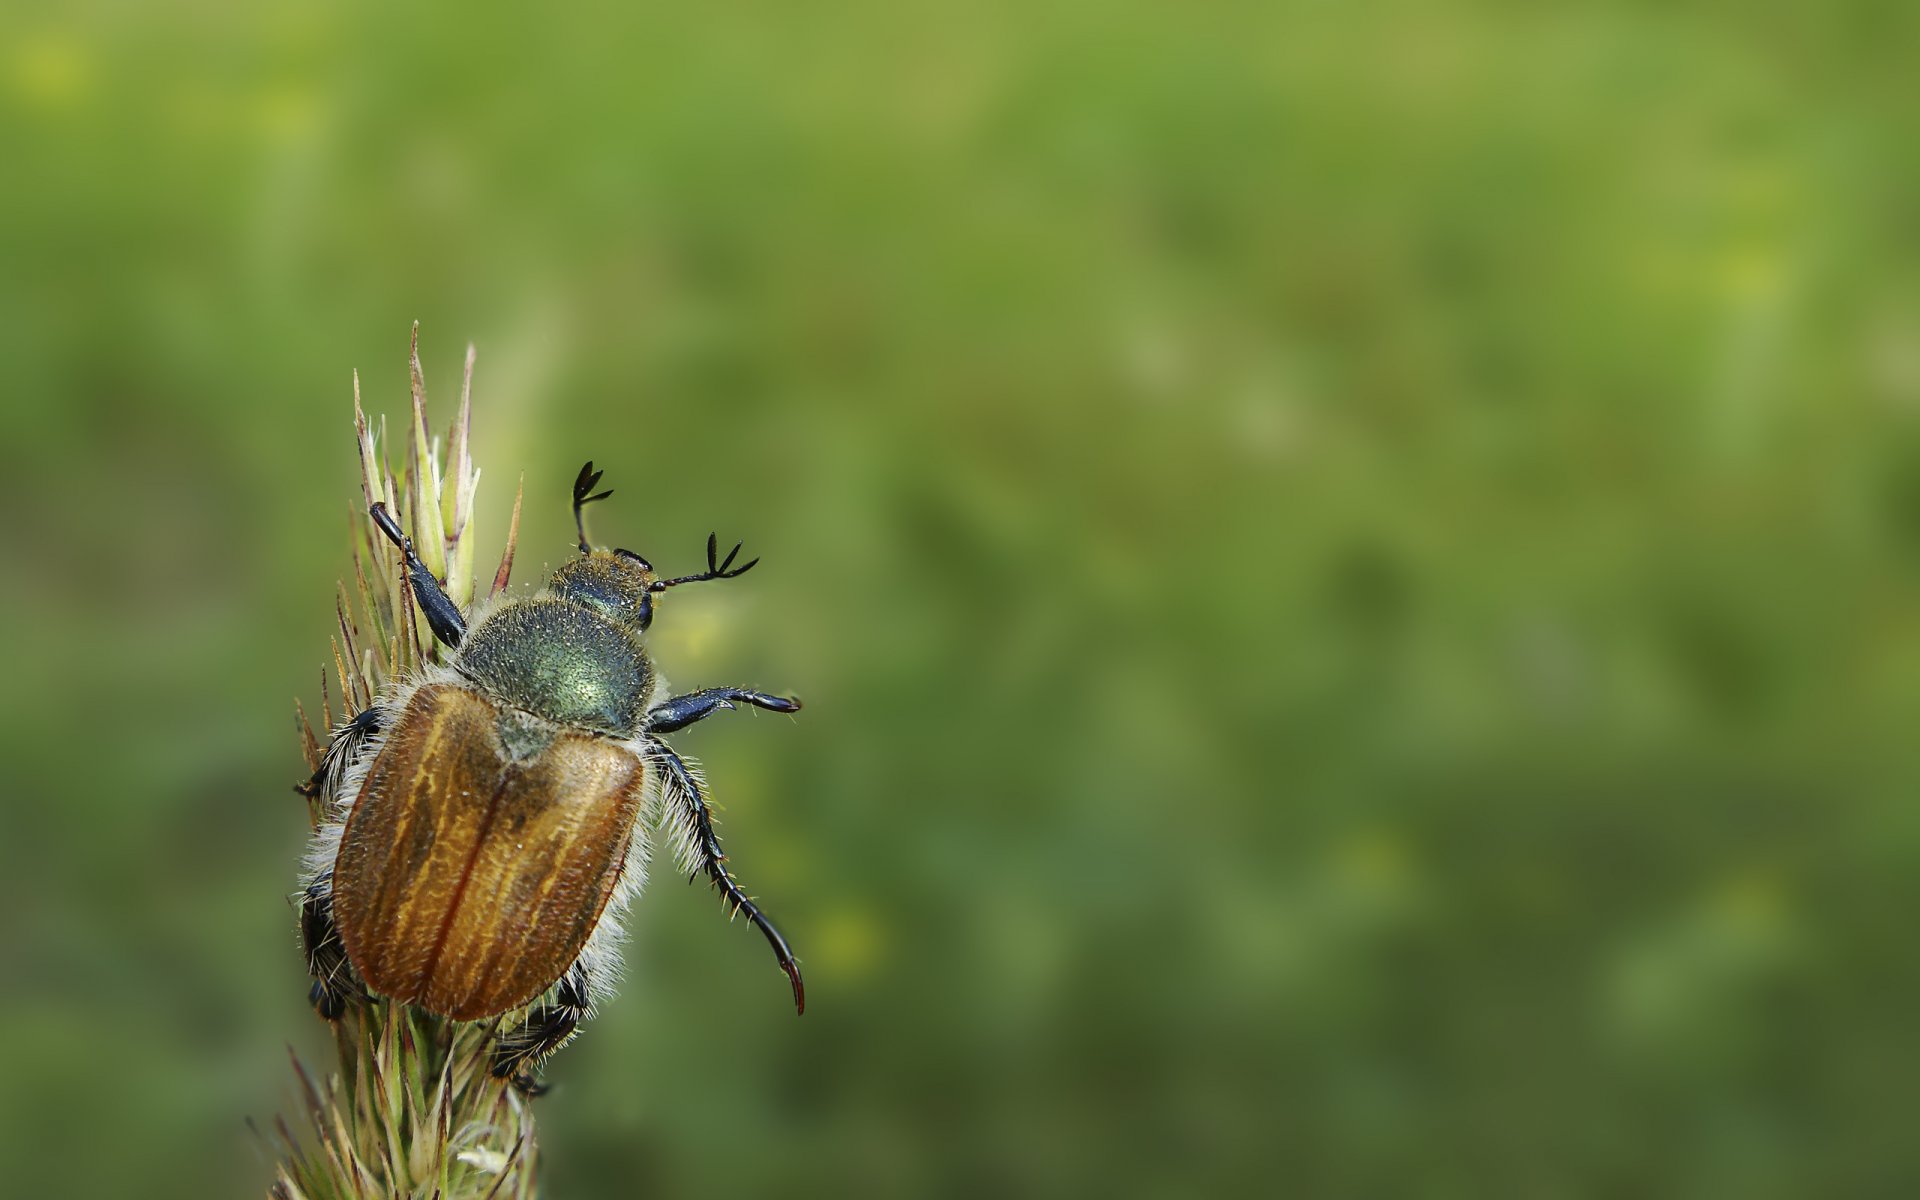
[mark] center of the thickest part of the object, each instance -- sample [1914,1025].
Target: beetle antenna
[716,569]
[583,495]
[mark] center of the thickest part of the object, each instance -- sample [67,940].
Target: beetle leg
[682,711]
[333,979]
[342,748]
[684,791]
[545,1029]
[443,615]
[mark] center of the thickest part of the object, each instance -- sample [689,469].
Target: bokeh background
[1355,571]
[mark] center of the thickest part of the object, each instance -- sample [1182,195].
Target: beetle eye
[644,564]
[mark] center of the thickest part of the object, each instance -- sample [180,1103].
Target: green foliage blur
[1355,571]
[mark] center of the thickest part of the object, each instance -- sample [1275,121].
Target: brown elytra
[467,882]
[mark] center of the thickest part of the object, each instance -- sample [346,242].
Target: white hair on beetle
[673,815]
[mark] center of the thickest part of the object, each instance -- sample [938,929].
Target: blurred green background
[1355,571]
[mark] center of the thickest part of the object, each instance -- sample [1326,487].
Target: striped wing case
[468,882]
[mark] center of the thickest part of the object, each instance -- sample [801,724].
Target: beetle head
[617,582]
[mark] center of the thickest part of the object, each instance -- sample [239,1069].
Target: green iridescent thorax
[563,660]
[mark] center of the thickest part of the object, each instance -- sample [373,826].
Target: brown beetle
[484,830]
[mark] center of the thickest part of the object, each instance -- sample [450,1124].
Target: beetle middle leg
[544,1030]
[679,712]
[685,793]
[342,748]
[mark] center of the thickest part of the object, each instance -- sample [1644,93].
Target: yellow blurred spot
[1753,900]
[50,71]
[692,633]
[1373,857]
[848,942]
[286,113]
[1752,274]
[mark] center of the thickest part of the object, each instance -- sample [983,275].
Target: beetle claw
[799,988]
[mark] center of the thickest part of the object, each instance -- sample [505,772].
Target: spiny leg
[685,791]
[682,711]
[546,1028]
[342,748]
[333,977]
[443,615]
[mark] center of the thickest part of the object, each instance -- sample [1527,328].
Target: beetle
[485,820]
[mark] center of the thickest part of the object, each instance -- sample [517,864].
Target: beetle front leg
[682,711]
[546,1028]
[443,615]
[683,790]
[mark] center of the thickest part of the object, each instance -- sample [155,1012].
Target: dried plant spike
[346,680]
[363,687]
[456,505]
[376,486]
[513,538]
[456,494]
[429,531]
[370,474]
[368,608]
[303,729]
[342,606]
[387,485]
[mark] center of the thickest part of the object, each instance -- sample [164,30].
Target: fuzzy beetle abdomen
[469,877]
